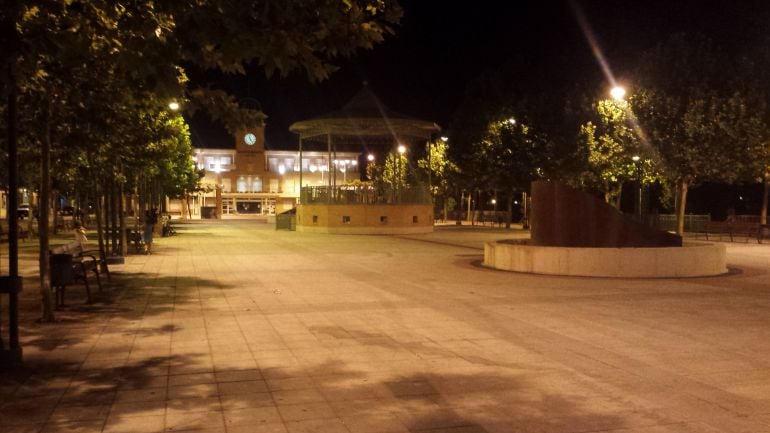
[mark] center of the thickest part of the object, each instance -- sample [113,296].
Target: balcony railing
[364,194]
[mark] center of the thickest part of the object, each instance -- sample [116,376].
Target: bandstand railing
[364,194]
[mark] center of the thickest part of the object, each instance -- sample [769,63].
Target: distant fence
[692,222]
[667,222]
[364,194]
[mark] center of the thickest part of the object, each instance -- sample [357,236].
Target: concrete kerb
[694,259]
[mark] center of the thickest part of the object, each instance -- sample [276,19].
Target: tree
[755,123]
[614,154]
[440,171]
[688,107]
[511,154]
[90,69]
[395,174]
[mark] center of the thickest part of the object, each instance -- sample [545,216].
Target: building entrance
[249,207]
[255,206]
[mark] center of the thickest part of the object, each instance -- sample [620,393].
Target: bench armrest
[86,256]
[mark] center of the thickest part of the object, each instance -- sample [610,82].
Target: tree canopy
[94,78]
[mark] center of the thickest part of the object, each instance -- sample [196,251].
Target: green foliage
[696,113]
[95,77]
[690,111]
[438,167]
[395,171]
[511,154]
[99,74]
[609,147]
[440,171]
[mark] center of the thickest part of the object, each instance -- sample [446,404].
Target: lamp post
[401,151]
[344,170]
[638,204]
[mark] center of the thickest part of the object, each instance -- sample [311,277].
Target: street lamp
[618,93]
[173,105]
[399,170]
[638,204]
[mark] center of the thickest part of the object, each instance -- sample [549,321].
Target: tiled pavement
[234,327]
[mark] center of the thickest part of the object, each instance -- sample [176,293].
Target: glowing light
[589,35]
[370,157]
[512,121]
[635,158]
[313,168]
[618,93]
[281,169]
[173,105]
[401,149]
[444,138]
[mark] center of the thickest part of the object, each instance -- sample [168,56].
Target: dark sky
[441,45]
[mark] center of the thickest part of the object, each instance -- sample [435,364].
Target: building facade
[251,181]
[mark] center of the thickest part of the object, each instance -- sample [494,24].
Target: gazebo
[364,121]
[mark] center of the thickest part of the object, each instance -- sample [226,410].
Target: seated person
[80,234]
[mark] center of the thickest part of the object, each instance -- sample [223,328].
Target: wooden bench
[23,233]
[69,263]
[744,230]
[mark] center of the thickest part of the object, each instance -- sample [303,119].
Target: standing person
[150,219]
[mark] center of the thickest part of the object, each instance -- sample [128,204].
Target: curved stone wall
[694,259]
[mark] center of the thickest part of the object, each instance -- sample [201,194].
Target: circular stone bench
[693,259]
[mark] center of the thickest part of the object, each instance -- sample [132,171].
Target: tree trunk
[47,300]
[510,210]
[55,207]
[114,214]
[99,228]
[681,201]
[122,220]
[766,182]
[445,209]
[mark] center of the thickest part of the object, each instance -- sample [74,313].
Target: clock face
[250,139]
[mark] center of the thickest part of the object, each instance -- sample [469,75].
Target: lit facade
[249,180]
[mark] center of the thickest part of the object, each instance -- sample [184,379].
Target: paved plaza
[235,327]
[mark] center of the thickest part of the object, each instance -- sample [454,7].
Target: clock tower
[250,139]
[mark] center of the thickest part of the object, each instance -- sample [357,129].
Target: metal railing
[364,194]
[667,222]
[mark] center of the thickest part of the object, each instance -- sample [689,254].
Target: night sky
[441,46]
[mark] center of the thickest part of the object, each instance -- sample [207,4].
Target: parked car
[23,211]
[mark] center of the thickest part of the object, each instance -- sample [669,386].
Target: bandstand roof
[364,116]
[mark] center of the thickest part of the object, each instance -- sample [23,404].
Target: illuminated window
[256,184]
[241,185]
